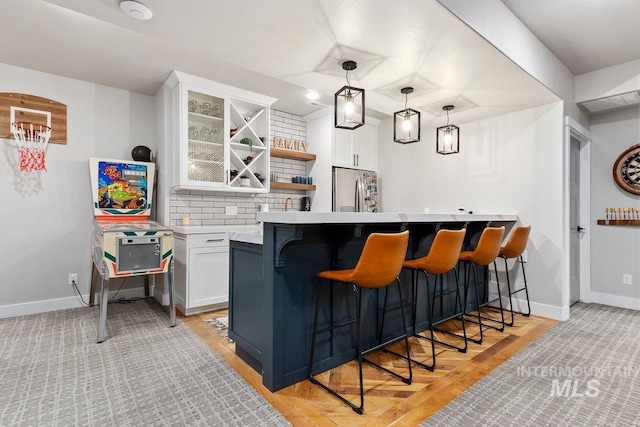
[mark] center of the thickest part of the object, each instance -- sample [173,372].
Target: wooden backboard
[33,109]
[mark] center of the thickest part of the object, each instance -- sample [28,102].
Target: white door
[575,229]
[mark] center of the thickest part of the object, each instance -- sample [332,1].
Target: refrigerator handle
[359,195]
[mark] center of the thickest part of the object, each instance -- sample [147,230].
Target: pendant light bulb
[406,123]
[349,106]
[447,140]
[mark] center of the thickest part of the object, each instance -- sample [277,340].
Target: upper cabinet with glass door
[219,136]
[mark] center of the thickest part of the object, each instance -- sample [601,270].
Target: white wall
[507,164]
[500,27]
[614,250]
[47,216]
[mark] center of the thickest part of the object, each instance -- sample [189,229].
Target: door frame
[572,129]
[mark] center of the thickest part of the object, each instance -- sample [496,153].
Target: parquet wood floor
[388,401]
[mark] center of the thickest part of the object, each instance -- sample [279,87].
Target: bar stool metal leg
[360,354]
[458,316]
[479,306]
[511,293]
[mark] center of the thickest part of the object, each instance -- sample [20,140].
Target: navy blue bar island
[272,283]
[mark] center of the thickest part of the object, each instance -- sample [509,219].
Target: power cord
[77,292]
[113,299]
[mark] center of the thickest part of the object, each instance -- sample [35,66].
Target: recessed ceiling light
[312,94]
[136,10]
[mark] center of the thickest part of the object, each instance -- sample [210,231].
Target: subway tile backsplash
[208,208]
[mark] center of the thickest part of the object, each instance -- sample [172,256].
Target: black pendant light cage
[406,123]
[448,137]
[349,103]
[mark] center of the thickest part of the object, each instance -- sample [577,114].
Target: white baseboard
[34,307]
[615,300]
[537,309]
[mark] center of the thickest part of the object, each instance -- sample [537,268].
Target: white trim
[615,300]
[35,307]
[548,311]
[583,135]
[538,309]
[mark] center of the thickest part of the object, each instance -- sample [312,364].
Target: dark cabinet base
[273,286]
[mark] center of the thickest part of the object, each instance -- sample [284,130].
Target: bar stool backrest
[488,246]
[517,242]
[444,252]
[381,259]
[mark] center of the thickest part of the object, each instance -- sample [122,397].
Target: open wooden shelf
[292,186]
[292,154]
[628,222]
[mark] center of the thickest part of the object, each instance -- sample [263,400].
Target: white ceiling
[586,35]
[279,48]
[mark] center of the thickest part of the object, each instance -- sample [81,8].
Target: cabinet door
[208,276]
[204,154]
[343,153]
[366,147]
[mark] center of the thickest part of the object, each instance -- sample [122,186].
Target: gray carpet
[52,373]
[582,372]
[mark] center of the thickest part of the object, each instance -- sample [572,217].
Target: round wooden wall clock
[626,170]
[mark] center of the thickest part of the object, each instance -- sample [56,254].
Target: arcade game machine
[125,242]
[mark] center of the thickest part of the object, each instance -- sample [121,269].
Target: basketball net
[32,142]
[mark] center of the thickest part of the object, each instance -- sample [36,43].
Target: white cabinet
[219,136]
[356,148]
[201,272]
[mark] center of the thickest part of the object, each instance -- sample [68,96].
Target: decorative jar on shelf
[245,181]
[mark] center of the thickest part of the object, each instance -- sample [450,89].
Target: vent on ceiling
[316,104]
[613,102]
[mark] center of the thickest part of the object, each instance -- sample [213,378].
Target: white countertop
[254,237]
[299,217]
[205,229]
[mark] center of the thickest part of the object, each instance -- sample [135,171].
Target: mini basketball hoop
[32,139]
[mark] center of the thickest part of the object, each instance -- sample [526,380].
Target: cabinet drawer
[207,240]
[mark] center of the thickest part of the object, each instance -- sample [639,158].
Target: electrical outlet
[73,278]
[231,210]
[627,279]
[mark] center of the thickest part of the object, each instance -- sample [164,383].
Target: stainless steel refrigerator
[355,190]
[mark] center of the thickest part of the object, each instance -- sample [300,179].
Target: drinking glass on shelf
[193,132]
[205,134]
[193,105]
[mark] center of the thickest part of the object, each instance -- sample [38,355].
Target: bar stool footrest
[356,409]
[444,331]
[402,356]
[499,329]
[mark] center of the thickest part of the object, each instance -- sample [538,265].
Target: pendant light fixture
[448,137]
[406,123]
[348,110]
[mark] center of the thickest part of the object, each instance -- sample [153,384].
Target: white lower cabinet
[201,272]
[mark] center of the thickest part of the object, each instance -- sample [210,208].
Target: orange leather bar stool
[441,259]
[379,265]
[514,248]
[485,253]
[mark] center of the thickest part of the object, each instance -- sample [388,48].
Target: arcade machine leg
[104,302]
[172,305]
